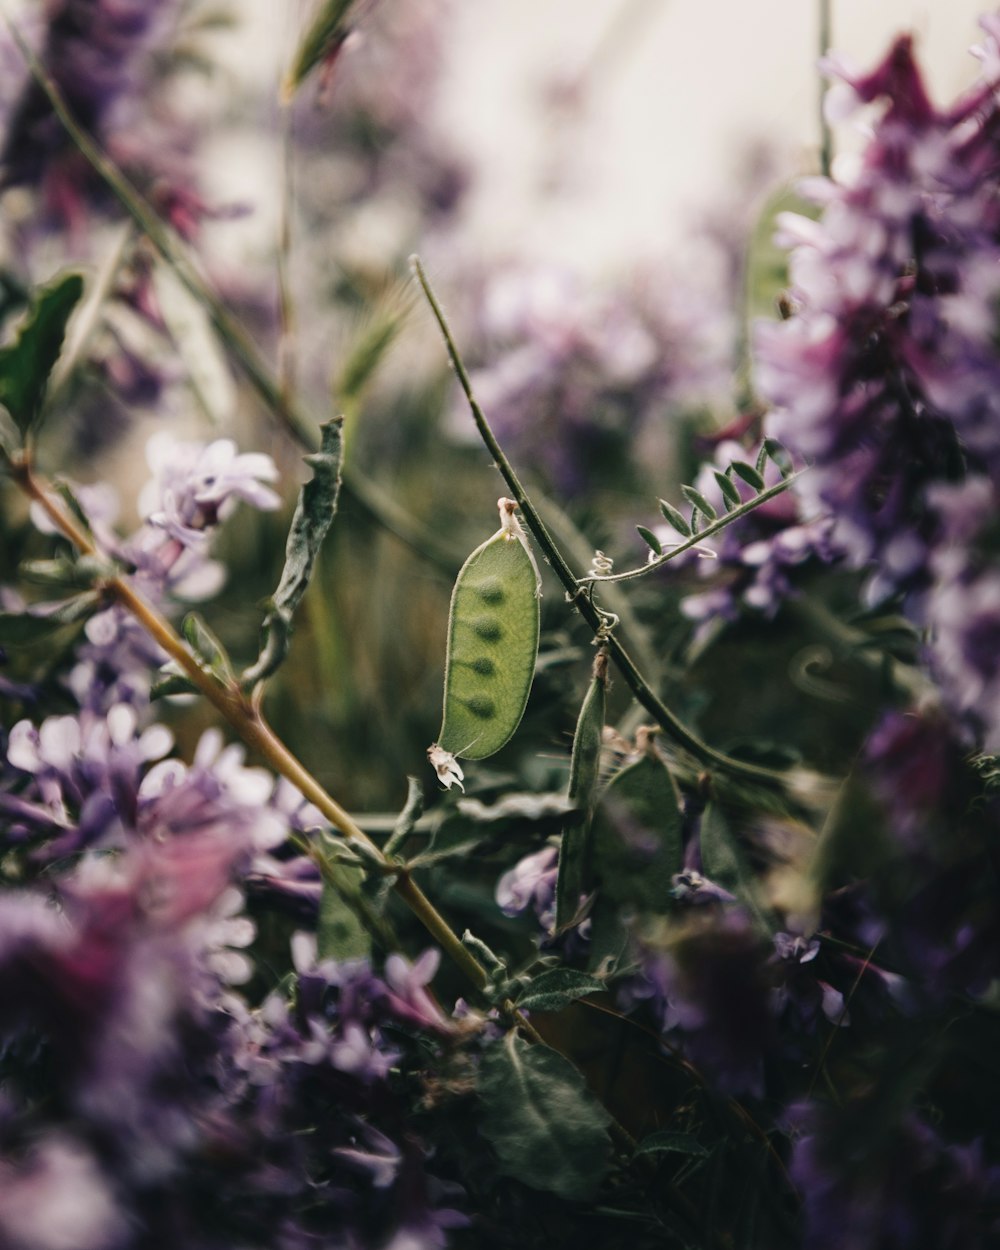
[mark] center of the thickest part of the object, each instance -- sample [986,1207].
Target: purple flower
[194,487]
[531,883]
[896,1185]
[707,984]
[886,378]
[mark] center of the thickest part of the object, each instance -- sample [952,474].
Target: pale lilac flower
[531,883]
[194,487]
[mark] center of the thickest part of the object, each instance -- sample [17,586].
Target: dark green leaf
[171,684]
[314,512]
[748,473]
[584,770]
[650,539]
[679,1143]
[340,934]
[25,365]
[762,459]
[699,501]
[729,491]
[675,518]
[636,847]
[779,455]
[547,1128]
[557,988]
[329,28]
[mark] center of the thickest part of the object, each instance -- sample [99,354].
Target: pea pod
[574,852]
[492,645]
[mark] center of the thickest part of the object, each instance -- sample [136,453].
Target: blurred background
[593,189]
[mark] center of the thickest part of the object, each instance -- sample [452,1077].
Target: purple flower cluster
[100,54]
[886,377]
[193,489]
[580,380]
[173,1114]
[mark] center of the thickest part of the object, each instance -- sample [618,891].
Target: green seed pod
[492,643]
[584,768]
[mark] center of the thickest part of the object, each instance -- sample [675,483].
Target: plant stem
[575,590]
[825,132]
[712,528]
[250,725]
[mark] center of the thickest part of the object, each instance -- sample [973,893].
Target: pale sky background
[680,90]
[687,84]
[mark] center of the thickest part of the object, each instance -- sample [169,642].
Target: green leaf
[748,473]
[25,365]
[650,539]
[547,1128]
[675,518]
[637,847]
[779,455]
[724,862]
[557,988]
[171,684]
[679,1143]
[24,628]
[729,491]
[637,835]
[366,354]
[584,771]
[329,29]
[66,573]
[699,501]
[340,934]
[207,647]
[314,513]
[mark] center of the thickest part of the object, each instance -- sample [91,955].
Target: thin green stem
[714,527]
[575,590]
[825,131]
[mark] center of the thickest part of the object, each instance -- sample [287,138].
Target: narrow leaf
[584,770]
[748,473]
[699,501]
[321,42]
[729,491]
[557,988]
[314,512]
[207,646]
[650,539]
[678,1143]
[675,518]
[171,684]
[24,628]
[779,455]
[762,459]
[547,1128]
[25,364]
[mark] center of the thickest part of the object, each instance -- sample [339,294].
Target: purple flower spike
[887,378]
